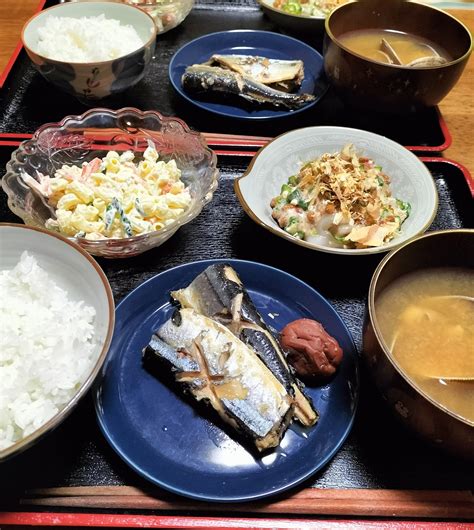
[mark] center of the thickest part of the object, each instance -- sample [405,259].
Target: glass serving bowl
[79,139]
[167,14]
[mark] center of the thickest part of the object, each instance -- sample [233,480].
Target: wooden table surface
[457,108]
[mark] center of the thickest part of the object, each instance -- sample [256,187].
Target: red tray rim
[223,523]
[11,138]
[15,139]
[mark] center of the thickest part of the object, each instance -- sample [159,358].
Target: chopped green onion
[405,206]
[292,226]
[292,220]
[295,195]
[293,180]
[303,204]
[292,6]
[281,201]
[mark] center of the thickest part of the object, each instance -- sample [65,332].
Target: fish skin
[181,363]
[202,79]
[262,413]
[214,293]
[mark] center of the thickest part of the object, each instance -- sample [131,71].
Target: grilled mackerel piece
[276,73]
[201,78]
[219,294]
[217,367]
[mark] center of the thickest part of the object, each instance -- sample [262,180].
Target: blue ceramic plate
[249,42]
[166,441]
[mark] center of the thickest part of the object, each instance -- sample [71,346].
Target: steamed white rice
[86,39]
[47,349]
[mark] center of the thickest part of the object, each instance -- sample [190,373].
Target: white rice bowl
[86,39]
[57,322]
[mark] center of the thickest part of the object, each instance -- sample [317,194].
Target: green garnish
[292,6]
[295,195]
[293,180]
[405,206]
[292,226]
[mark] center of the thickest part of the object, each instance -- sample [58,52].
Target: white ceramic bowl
[74,270]
[273,164]
[94,80]
[310,26]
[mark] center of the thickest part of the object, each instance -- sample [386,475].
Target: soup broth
[427,322]
[408,47]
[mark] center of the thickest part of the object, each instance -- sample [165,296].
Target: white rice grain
[86,39]
[47,349]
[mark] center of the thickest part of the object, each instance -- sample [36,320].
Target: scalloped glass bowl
[78,139]
[167,14]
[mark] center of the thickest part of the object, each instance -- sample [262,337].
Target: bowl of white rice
[57,314]
[91,49]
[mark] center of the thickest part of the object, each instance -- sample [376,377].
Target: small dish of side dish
[195,397]
[248,74]
[57,303]
[300,16]
[116,182]
[338,190]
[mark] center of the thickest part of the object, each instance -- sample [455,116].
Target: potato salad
[340,200]
[114,197]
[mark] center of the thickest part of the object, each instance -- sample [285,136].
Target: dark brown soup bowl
[389,88]
[416,409]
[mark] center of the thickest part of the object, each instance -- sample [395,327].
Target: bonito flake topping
[342,200]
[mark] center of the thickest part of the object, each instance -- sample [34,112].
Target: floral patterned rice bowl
[97,80]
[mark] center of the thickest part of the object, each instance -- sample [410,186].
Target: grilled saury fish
[279,74]
[215,366]
[219,294]
[202,78]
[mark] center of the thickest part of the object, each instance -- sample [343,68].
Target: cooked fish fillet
[281,74]
[201,79]
[216,366]
[219,294]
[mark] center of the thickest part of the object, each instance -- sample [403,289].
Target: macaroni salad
[114,197]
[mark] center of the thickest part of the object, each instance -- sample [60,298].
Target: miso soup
[408,47]
[426,319]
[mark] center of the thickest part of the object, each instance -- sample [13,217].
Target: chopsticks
[248,144]
[446,504]
[239,140]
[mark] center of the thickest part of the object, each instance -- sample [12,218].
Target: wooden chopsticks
[441,504]
[239,140]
